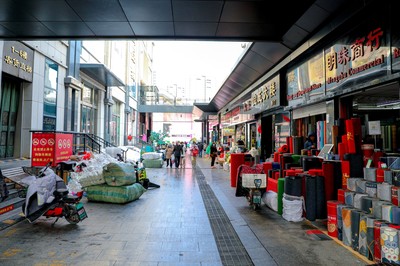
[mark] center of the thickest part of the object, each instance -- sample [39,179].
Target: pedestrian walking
[177,154]
[208,149]
[168,154]
[183,156]
[200,146]
[213,154]
[194,151]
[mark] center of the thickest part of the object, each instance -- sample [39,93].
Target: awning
[207,107]
[101,74]
[310,110]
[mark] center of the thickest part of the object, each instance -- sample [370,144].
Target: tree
[157,138]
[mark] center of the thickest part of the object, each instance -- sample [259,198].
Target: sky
[177,61]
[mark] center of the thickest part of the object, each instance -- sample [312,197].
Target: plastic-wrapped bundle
[362,236]
[270,198]
[370,236]
[384,191]
[355,228]
[151,156]
[361,185]
[90,176]
[390,244]
[152,163]
[349,197]
[352,183]
[357,200]
[119,174]
[370,174]
[121,194]
[371,188]
[340,221]
[377,208]
[346,231]
[387,214]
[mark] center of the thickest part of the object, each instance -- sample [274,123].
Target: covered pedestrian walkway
[193,219]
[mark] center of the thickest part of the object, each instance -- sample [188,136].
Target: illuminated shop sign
[18,60]
[356,57]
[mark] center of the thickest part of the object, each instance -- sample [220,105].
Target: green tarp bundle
[155,163]
[119,174]
[121,194]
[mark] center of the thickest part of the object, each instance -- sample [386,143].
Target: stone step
[11,217]
[10,204]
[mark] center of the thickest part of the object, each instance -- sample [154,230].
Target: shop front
[348,94]
[237,127]
[213,129]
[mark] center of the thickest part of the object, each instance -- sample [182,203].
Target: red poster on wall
[54,147]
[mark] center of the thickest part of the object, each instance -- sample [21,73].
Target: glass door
[9,111]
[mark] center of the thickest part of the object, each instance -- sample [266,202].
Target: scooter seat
[59,193]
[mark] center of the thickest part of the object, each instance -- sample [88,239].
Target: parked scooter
[48,196]
[255,194]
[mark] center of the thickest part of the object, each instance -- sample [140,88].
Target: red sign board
[6,209]
[54,147]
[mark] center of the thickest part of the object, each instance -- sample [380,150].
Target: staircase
[10,207]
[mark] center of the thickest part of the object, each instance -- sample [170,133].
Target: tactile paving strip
[231,249]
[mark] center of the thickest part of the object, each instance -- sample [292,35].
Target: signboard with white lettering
[361,55]
[18,60]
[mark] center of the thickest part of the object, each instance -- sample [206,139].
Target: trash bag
[293,208]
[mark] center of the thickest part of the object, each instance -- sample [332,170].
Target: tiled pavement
[192,219]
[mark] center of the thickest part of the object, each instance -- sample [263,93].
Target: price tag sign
[374,127]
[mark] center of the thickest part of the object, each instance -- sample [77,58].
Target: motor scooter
[47,195]
[255,194]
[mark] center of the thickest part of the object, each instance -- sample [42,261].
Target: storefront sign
[51,147]
[264,97]
[18,60]
[358,56]
[306,81]
[395,37]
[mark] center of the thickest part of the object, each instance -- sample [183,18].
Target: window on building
[115,123]
[50,95]
[89,100]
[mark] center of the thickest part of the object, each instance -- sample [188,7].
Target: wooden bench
[15,175]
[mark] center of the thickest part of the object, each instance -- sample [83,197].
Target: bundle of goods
[152,160]
[366,216]
[120,187]
[121,194]
[90,172]
[108,180]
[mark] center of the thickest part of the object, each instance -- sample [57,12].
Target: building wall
[31,107]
